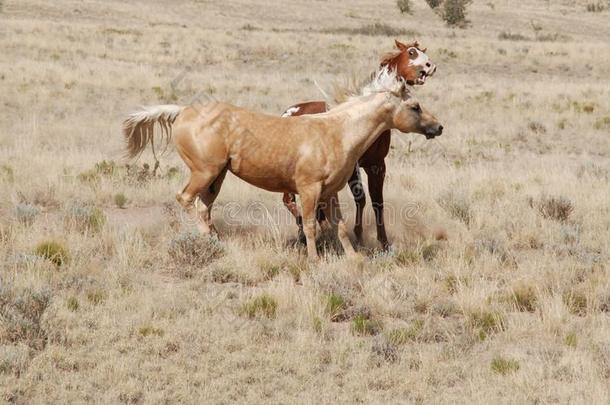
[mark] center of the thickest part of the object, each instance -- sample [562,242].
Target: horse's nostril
[440,129]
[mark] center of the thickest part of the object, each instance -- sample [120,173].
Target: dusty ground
[513,307]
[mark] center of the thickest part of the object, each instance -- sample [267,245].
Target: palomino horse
[413,65]
[316,164]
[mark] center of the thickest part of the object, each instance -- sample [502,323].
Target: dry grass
[107,296]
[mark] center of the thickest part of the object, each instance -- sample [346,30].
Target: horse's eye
[416,108]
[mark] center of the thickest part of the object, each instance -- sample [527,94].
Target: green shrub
[53,251]
[262,306]
[504,366]
[120,200]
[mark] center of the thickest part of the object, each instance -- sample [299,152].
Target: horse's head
[409,116]
[410,62]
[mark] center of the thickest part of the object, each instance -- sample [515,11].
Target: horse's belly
[264,176]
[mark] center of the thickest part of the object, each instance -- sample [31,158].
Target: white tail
[138,127]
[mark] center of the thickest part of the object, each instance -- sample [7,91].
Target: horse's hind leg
[204,184]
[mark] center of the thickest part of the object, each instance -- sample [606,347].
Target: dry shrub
[193,249]
[404,6]
[557,208]
[26,213]
[384,351]
[376,29]
[457,205]
[84,217]
[434,3]
[454,12]
[596,7]
[21,315]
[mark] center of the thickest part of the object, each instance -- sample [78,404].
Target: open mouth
[421,79]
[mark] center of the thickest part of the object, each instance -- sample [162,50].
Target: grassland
[107,296]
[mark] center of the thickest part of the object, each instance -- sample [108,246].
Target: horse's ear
[400,45]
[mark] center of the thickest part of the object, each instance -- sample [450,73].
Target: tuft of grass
[7,173]
[576,301]
[84,217]
[603,123]
[405,6]
[430,251]
[53,251]
[193,249]
[524,298]
[363,326]
[485,323]
[72,304]
[558,208]
[96,297]
[570,339]
[335,305]
[149,330]
[407,257]
[262,306]
[504,366]
[120,200]
[402,336]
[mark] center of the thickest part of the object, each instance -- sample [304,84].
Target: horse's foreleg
[376,178]
[333,214]
[310,196]
[355,186]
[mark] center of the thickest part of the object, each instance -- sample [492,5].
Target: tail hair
[138,127]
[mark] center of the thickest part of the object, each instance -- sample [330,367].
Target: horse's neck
[366,122]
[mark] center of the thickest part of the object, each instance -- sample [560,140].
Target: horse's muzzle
[432,133]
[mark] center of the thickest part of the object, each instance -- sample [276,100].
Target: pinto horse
[413,65]
[316,164]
